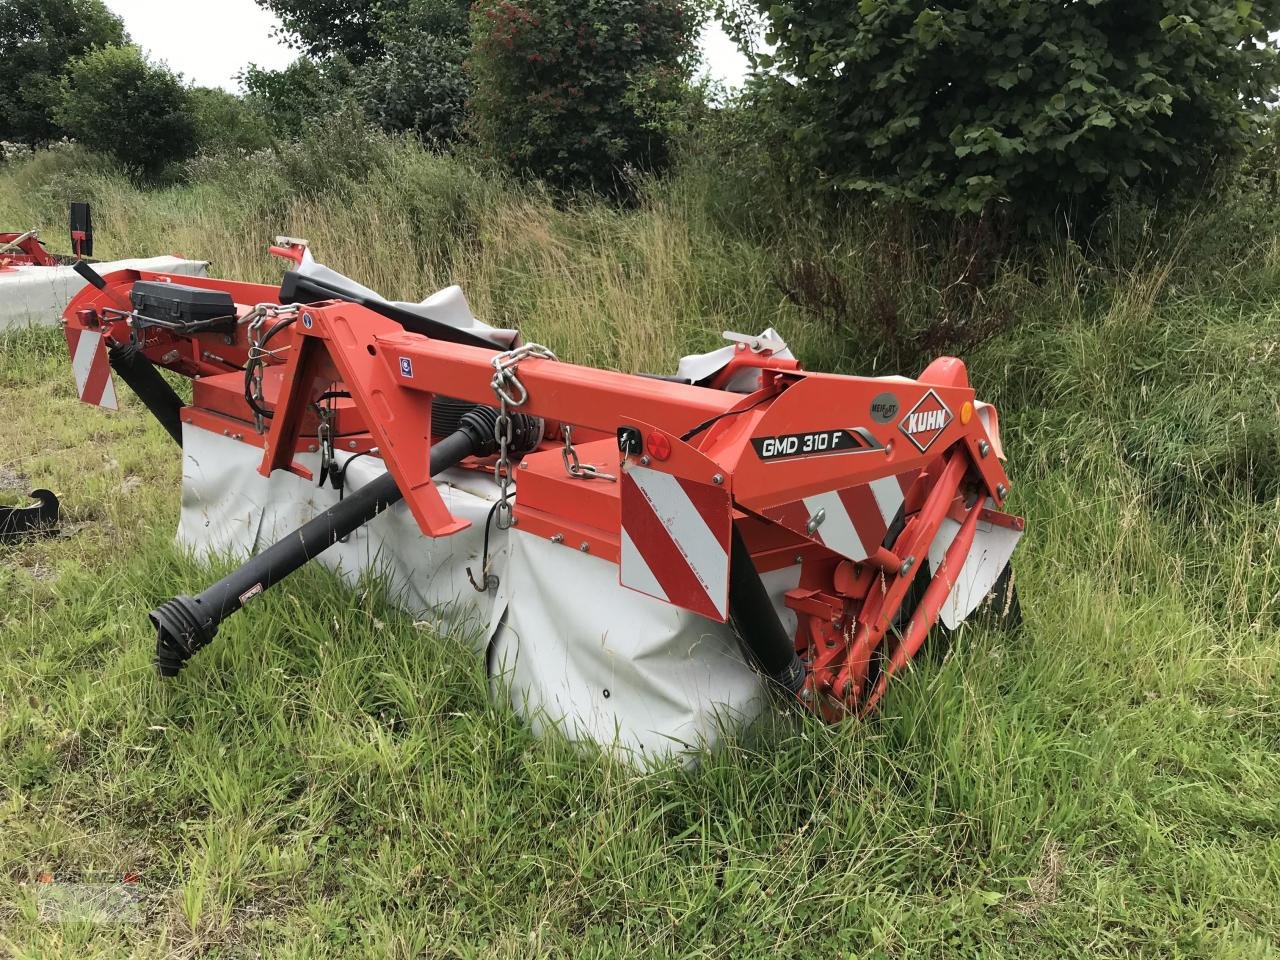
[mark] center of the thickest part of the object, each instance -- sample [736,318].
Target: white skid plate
[993,545]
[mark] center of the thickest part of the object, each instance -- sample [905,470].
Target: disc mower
[36,284]
[630,541]
[28,250]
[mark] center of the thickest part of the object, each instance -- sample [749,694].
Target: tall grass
[330,779]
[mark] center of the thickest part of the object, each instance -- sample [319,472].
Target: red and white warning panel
[852,522]
[675,541]
[91,367]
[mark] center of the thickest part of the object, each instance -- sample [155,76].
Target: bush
[579,92]
[224,121]
[417,85]
[292,99]
[417,81]
[965,105]
[115,101]
[37,40]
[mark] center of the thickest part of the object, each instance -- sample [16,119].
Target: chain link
[258,317]
[575,467]
[324,434]
[511,393]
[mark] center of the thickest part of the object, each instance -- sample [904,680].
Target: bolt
[238,436]
[907,564]
[1001,491]
[984,448]
[311,448]
[524,464]
[815,521]
[351,444]
[799,558]
[586,547]
[718,479]
[645,461]
[557,538]
[226,433]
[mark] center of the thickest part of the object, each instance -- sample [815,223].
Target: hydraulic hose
[754,619]
[186,624]
[149,386]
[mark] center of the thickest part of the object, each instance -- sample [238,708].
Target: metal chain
[257,319]
[575,467]
[324,434]
[511,393]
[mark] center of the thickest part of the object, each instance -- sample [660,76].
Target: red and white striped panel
[91,368]
[676,536]
[853,520]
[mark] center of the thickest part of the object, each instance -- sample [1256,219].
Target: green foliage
[224,121]
[417,82]
[293,98]
[401,60]
[37,40]
[332,28]
[332,778]
[581,92]
[116,101]
[961,106]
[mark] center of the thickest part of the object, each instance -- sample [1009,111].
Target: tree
[115,101]
[295,97]
[417,81]
[37,39]
[329,28]
[965,104]
[401,60]
[578,92]
[418,84]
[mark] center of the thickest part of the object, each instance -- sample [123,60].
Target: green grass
[330,779]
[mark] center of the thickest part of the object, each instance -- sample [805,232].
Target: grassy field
[330,779]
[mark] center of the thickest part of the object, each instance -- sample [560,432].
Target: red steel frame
[28,252]
[845,610]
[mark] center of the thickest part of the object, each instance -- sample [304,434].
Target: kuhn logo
[926,421]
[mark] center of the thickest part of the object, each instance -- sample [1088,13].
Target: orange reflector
[658,445]
[966,413]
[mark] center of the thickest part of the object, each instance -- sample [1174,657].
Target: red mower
[623,544]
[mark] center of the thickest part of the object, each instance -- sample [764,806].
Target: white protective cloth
[697,367]
[448,306]
[37,296]
[572,646]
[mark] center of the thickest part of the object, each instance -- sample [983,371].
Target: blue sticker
[406,366]
[306,320]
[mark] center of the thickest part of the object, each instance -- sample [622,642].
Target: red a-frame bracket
[329,347]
